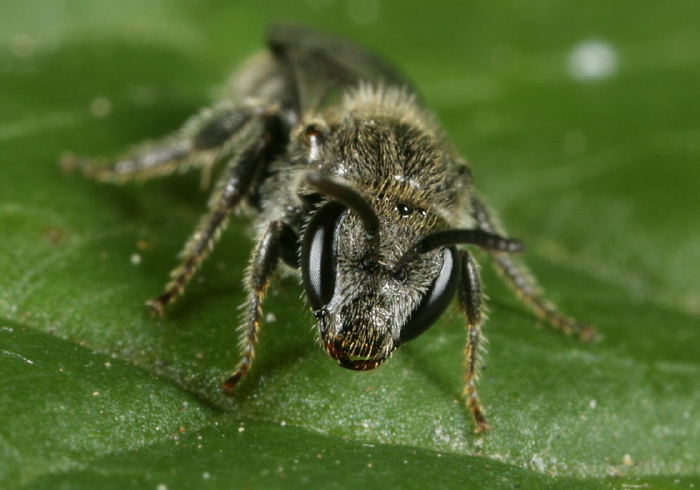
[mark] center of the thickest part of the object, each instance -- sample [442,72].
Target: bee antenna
[351,199]
[444,238]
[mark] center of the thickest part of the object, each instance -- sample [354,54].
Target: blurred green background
[582,125]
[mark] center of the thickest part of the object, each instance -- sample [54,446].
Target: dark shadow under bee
[349,180]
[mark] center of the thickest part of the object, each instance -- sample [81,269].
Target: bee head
[368,298]
[369,293]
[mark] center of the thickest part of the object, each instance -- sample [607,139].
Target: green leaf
[595,170]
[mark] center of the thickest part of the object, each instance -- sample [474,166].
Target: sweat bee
[351,182]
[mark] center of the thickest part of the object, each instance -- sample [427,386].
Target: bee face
[365,302]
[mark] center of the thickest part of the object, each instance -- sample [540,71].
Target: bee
[351,182]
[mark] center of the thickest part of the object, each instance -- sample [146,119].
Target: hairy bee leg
[233,185]
[263,262]
[470,302]
[201,142]
[520,280]
[525,287]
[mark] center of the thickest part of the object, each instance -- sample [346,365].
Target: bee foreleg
[263,263]
[470,302]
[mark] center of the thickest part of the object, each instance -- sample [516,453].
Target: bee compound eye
[436,298]
[318,254]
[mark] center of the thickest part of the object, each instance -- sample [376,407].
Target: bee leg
[470,302]
[262,265]
[203,141]
[520,280]
[526,288]
[234,185]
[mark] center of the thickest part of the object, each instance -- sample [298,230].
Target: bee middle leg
[235,183]
[470,301]
[520,280]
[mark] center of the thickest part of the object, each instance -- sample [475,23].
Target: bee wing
[318,65]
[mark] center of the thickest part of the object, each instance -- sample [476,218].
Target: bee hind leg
[203,141]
